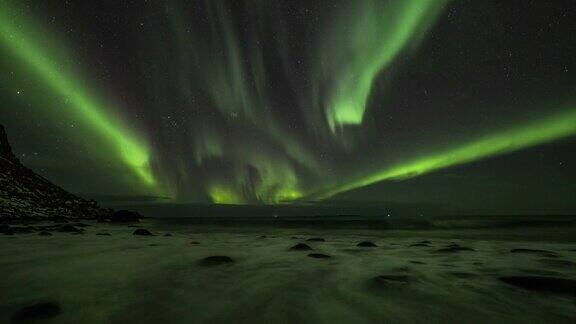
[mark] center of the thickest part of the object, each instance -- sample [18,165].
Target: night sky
[468,104]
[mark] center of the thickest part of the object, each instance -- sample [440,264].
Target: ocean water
[123,278]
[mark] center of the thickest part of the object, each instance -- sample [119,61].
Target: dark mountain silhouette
[26,195]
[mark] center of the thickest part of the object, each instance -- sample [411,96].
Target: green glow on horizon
[366,44]
[221,194]
[531,134]
[50,71]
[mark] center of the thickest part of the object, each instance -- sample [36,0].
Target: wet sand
[405,276]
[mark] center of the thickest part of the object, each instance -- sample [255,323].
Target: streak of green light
[539,132]
[132,151]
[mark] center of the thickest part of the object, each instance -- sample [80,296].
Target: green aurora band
[539,132]
[49,70]
[241,149]
[363,45]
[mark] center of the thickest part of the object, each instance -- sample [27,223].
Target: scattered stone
[301,247]
[319,256]
[38,311]
[44,233]
[366,244]
[419,245]
[70,229]
[216,260]
[316,239]
[142,231]
[105,234]
[7,230]
[536,251]
[262,236]
[425,242]
[543,284]
[194,242]
[125,216]
[387,280]
[167,234]
[452,248]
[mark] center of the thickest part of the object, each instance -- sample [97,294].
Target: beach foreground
[207,273]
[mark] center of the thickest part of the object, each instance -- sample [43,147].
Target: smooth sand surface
[123,278]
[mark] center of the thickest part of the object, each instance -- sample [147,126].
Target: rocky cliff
[26,195]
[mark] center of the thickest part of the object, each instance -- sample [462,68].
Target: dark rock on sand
[417,262]
[419,245]
[366,244]
[105,234]
[70,229]
[319,256]
[38,311]
[536,251]
[216,260]
[316,239]
[301,247]
[167,234]
[125,216]
[6,230]
[454,248]
[194,242]
[387,280]
[44,233]
[142,231]
[543,284]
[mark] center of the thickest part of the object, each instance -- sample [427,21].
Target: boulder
[319,256]
[453,248]
[401,279]
[35,312]
[70,229]
[301,247]
[125,216]
[537,252]
[543,284]
[366,244]
[142,231]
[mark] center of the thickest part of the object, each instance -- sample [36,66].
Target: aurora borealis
[249,102]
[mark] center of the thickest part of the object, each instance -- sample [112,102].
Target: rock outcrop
[27,195]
